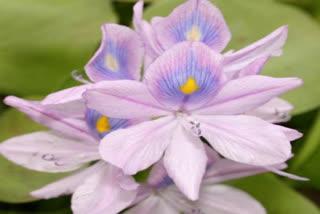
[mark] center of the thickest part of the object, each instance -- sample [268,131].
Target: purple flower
[159,195]
[73,141]
[185,94]
[200,20]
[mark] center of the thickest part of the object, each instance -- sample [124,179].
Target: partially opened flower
[159,195]
[76,130]
[184,93]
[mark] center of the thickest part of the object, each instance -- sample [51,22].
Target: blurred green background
[42,41]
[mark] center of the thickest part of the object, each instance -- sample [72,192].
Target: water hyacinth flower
[200,20]
[184,93]
[73,141]
[159,195]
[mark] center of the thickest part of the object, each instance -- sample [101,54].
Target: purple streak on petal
[245,94]
[125,99]
[183,62]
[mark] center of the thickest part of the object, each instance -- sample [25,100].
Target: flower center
[194,34]
[103,124]
[190,86]
[111,63]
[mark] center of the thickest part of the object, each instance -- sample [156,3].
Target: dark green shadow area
[54,206]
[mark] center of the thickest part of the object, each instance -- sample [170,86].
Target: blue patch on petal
[113,61]
[190,82]
[196,25]
[166,181]
[101,125]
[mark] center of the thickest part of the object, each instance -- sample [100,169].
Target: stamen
[194,127]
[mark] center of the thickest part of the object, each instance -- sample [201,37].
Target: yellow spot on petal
[194,34]
[103,124]
[111,63]
[190,86]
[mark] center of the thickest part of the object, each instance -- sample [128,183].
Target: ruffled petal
[194,20]
[48,152]
[246,139]
[55,117]
[124,99]
[119,56]
[103,193]
[138,147]
[271,45]
[185,76]
[245,94]
[185,160]
[275,111]
[66,185]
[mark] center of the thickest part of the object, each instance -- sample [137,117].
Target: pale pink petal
[102,193]
[48,152]
[158,176]
[275,111]
[213,199]
[246,139]
[68,95]
[194,20]
[227,200]
[290,133]
[271,45]
[226,169]
[285,174]
[66,185]
[245,94]
[138,147]
[185,76]
[119,55]
[53,117]
[147,33]
[185,160]
[253,68]
[153,204]
[124,99]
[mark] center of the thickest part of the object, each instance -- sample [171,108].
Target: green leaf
[306,161]
[251,20]
[275,195]
[42,41]
[17,182]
